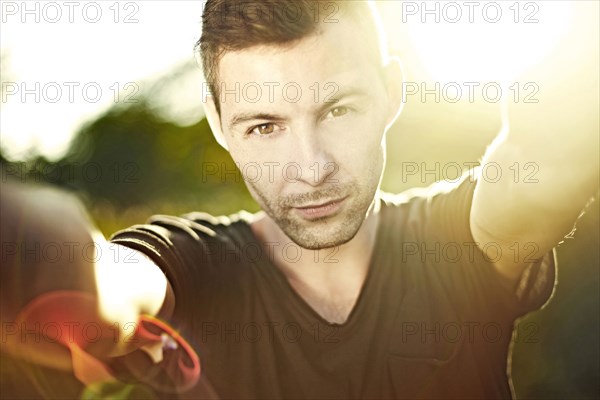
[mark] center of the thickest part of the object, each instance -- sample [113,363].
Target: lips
[321,210]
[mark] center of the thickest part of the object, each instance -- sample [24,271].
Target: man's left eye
[338,112]
[263,129]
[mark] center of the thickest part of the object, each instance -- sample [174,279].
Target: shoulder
[443,202]
[197,251]
[197,226]
[465,184]
[192,241]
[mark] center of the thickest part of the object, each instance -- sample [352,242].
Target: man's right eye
[263,129]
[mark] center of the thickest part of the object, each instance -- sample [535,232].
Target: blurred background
[105,102]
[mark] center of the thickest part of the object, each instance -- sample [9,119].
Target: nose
[313,158]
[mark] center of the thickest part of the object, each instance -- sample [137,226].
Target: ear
[214,120]
[394,77]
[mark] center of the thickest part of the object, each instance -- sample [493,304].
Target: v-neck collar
[365,290]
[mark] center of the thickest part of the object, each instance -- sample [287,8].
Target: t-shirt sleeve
[188,250]
[180,248]
[471,274]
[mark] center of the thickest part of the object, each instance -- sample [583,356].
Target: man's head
[303,93]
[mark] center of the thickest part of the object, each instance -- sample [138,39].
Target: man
[322,294]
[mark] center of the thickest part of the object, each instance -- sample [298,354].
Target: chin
[323,234]
[318,244]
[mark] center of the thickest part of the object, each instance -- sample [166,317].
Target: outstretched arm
[548,153]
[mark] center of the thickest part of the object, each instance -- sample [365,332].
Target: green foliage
[145,158]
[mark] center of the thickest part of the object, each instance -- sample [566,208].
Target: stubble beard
[320,233]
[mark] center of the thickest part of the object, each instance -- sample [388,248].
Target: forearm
[51,250]
[537,196]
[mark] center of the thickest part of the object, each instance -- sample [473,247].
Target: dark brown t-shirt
[433,319]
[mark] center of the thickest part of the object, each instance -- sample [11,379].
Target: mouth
[326,209]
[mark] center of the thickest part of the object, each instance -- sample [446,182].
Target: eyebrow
[245,117]
[347,91]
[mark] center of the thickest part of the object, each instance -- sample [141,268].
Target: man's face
[307,131]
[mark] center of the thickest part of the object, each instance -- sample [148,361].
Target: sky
[63,63]
[83,67]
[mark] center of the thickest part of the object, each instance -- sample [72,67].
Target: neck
[333,275]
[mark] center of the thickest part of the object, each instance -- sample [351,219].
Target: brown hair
[230,25]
